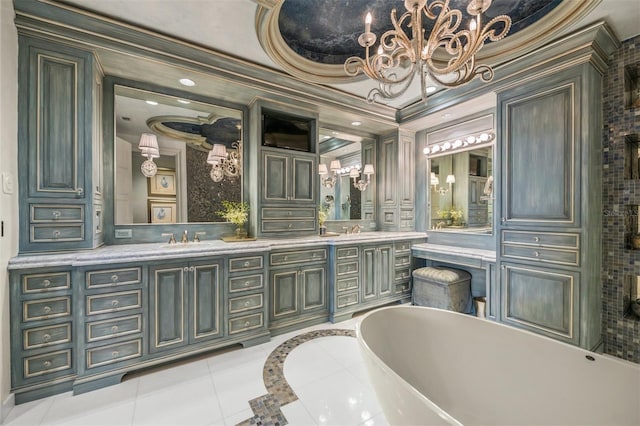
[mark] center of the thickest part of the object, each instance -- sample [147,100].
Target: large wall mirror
[347,175]
[185,188]
[460,177]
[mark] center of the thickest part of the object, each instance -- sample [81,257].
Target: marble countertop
[126,253]
[423,250]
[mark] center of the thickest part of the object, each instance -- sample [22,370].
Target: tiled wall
[621,197]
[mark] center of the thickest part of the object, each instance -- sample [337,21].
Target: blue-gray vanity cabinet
[247,297]
[298,288]
[378,273]
[345,283]
[184,304]
[55,129]
[550,206]
[42,333]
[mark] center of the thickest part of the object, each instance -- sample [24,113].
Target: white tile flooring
[326,373]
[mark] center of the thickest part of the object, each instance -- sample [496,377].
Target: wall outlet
[7,183]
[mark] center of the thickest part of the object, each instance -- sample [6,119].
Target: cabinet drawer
[114,277]
[37,283]
[56,233]
[347,268]
[404,287]
[402,246]
[244,323]
[110,354]
[402,274]
[245,263]
[346,284]
[288,225]
[347,300]
[538,254]
[548,239]
[406,214]
[108,329]
[314,255]
[113,302]
[347,252]
[245,303]
[286,213]
[249,282]
[45,336]
[56,213]
[47,363]
[46,308]
[403,260]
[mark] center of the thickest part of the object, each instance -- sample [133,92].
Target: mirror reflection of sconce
[355,174]
[225,163]
[330,181]
[148,146]
[435,183]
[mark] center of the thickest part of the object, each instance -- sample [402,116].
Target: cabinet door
[275,179]
[313,288]
[541,300]
[168,305]
[205,302]
[369,266]
[284,293]
[303,179]
[385,274]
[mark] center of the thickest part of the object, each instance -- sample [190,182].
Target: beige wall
[8,164]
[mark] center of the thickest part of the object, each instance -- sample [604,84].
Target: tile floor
[326,374]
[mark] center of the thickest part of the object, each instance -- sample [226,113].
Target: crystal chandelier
[148,146]
[447,57]
[225,163]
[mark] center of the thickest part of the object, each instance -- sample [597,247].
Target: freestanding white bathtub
[430,366]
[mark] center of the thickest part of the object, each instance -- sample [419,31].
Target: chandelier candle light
[148,146]
[447,57]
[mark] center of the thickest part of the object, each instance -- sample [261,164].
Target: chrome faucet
[355,229]
[196,236]
[185,237]
[345,229]
[172,240]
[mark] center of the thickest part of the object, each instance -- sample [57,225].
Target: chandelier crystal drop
[446,57]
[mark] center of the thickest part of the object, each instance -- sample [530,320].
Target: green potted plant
[322,217]
[456,216]
[236,213]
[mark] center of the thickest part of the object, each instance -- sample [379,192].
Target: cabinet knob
[47,364]
[114,303]
[503,220]
[286,258]
[46,309]
[114,278]
[247,283]
[46,283]
[247,263]
[536,239]
[114,354]
[79,191]
[114,329]
[46,338]
[290,225]
[56,214]
[56,235]
[536,254]
[185,269]
[247,323]
[247,303]
[192,268]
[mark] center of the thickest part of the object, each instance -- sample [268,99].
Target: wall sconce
[148,146]
[329,182]
[225,163]
[355,173]
[435,183]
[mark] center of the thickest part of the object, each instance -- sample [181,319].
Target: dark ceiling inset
[223,131]
[326,31]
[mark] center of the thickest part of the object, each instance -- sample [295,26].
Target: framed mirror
[195,164]
[347,175]
[460,177]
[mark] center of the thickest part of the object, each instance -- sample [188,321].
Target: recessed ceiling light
[184,101]
[187,82]
[356,123]
[431,89]
[152,102]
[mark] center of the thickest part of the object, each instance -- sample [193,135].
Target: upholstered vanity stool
[443,288]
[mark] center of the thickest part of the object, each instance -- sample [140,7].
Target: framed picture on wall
[162,211]
[163,183]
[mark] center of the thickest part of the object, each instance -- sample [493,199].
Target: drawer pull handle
[247,283]
[536,239]
[290,225]
[56,214]
[114,303]
[114,329]
[247,263]
[114,278]
[536,254]
[46,283]
[114,354]
[247,323]
[247,303]
[46,338]
[47,364]
[47,309]
[56,234]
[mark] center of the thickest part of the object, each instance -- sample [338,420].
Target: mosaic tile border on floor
[266,408]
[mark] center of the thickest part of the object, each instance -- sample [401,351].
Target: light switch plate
[7,183]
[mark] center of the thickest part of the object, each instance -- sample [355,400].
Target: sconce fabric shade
[368,169]
[354,173]
[150,152]
[322,169]
[219,151]
[335,165]
[434,179]
[148,140]
[451,179]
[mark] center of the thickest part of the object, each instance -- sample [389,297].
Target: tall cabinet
[58,135]
[550,206]
[397,184]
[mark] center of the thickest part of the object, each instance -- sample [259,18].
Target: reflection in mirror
[461,191]
[340,166]
[198,163]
